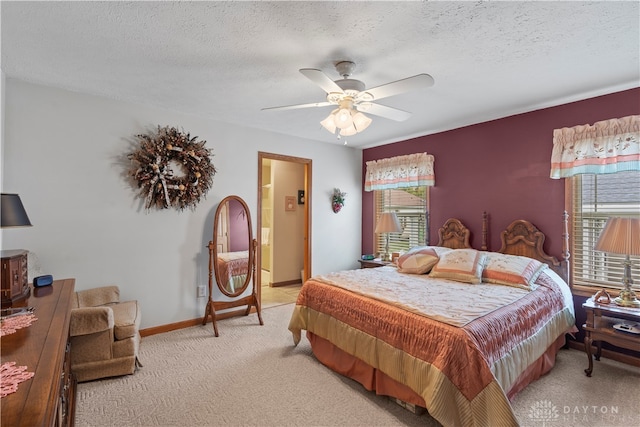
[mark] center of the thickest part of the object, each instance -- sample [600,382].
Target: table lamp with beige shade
[622,236]
[387,223]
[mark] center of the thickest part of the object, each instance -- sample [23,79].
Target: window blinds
[596,198]
[410,205]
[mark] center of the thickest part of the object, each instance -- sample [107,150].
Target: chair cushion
[126,317]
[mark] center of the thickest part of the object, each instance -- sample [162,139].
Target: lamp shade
[13,213]
[347,120]
[388,223]
[360,121]
[328,123]
[342,118]
[351,130]
[620,236]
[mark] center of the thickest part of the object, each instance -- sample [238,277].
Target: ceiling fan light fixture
[351,130]
[329,124]
[360,121]
[343,118]
[353,123]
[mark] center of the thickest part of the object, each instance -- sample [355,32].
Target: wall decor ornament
[172,169]
[337,200]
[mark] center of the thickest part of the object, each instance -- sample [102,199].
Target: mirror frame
[216,225]
[235,300]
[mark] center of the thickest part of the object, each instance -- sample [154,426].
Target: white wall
[65,154]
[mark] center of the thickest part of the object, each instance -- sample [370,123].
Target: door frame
[307,213]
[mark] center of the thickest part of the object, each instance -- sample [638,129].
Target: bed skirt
[374,380]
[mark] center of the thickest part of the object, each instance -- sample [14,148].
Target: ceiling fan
[352,99]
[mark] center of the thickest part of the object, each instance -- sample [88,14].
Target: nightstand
[372,263]
[599,327]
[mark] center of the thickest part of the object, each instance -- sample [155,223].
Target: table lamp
[622,236]
[388,223]
[13,213]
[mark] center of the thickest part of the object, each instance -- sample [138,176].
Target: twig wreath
[171,169]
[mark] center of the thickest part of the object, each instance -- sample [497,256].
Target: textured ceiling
[228,60]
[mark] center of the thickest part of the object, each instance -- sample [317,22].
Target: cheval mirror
[232,260]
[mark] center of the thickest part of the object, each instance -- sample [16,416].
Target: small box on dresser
[15,286]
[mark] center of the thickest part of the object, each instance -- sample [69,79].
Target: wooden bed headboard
[455,235]
[520,238]
[523,238]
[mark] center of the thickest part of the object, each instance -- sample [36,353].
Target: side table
[599,327]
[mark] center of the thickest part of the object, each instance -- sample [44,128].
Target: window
[594,199]
[411,206]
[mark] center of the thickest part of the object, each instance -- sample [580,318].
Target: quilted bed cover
[462,348]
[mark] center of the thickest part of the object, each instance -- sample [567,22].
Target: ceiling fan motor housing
[350,84]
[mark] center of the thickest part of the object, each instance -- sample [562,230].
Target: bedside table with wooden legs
[372,263]
[599,327]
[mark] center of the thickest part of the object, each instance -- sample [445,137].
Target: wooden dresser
[47,399]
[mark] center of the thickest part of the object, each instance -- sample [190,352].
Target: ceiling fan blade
[420,81]
[383,111]
[294,107]
[321,79]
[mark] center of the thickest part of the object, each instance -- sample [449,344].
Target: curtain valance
[605,147]
[398,172]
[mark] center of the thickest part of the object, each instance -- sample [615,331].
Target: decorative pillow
[512,270]
[420,260]
[462,265]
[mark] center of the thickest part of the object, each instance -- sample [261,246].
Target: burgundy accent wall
[501,167]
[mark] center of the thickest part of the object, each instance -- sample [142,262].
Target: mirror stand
[232,261]
[250,300]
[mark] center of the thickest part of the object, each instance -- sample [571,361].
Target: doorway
[284,221]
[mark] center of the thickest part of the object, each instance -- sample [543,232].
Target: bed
[439,336]
[233,268]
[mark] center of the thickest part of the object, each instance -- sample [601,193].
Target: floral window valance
[399,172]
[605,147]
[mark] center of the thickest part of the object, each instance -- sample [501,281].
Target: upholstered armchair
[104,333]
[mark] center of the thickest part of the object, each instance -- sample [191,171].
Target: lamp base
[385,257]
[627,298]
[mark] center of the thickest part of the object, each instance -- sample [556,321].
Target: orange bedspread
[462,373]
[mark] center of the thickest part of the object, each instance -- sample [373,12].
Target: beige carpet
[253,376]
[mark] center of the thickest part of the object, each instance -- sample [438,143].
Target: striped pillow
[512,270]
[461,265]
